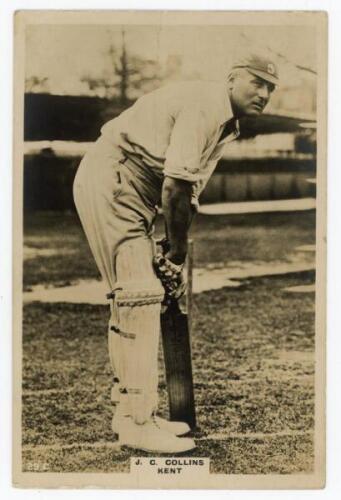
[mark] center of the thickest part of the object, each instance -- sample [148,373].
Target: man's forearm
[178,213]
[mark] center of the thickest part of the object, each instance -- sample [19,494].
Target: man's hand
[176,258]
[171,276]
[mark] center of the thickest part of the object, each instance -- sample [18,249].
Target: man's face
[249,93]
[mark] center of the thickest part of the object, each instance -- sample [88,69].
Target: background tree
[128,77]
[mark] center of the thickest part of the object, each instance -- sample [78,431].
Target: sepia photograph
[170,247]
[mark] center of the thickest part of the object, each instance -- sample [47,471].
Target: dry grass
[254,382]
[253,359]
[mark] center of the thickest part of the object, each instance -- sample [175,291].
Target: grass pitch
[253,362]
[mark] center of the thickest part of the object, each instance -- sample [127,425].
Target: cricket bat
[177,357]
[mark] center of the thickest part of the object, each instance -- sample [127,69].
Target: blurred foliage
[128,77]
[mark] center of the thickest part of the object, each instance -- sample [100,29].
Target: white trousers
[116,205]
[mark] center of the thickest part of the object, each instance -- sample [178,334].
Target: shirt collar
[237,132]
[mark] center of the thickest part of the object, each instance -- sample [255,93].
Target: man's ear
[230,81]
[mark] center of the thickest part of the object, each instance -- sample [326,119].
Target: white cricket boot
[174,427]
[123,410]
[149,437]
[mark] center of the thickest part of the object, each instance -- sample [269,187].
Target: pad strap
[126,335]
[131,298]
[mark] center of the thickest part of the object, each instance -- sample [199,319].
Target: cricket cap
[259,65]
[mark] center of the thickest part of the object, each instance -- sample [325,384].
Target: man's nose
[264,92]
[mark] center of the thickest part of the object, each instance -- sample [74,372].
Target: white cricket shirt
[175,130]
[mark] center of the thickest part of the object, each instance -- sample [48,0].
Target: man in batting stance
[160,151]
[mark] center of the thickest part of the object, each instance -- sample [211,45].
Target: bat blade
[178,364]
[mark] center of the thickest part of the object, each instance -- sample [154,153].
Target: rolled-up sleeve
[187,142]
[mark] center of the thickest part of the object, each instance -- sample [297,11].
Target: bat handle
[189,294]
